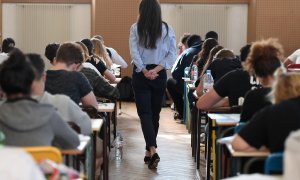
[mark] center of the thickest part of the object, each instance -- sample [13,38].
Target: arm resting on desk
[239,144]
[211,100]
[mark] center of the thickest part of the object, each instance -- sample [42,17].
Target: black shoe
[147,159]
[154,161]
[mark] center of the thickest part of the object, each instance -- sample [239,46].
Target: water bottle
[194,73]
[118,148]
[186,72]
[208,81]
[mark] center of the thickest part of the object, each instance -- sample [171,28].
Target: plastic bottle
[118,147]
[194,73]
[208,81]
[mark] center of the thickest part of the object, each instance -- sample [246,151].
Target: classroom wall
[276,18]
[266,18]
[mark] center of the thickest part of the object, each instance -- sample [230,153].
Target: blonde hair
[85,51]
[100,51]
[286,86]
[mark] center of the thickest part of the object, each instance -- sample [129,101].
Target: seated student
[8,44]
[101,52]
[268,129]
[208,44]
[264,58]
[17,164]
[68,109]
[175,84]
[223,62]
[94,60]
[113,54]
[233,85]
[23,120]
[100,85]
[294,58]
[64,79]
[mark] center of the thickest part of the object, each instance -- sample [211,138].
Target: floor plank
[173,148]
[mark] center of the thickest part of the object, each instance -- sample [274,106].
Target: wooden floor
[173,148]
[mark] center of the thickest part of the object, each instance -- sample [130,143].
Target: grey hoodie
[28,123]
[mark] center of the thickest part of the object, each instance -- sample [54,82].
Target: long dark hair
[149,25]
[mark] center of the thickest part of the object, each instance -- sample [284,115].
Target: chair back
[40,153]
[274,163]
[239,126]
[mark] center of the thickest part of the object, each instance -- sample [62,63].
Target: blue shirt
[164,54]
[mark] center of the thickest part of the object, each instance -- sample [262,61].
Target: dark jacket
[184,60]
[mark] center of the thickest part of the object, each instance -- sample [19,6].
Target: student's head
[37,64]
[193,40]
[16,75]
[88,43]
[99,37]
[8,44]
[211,34]
[244,52]
[99,49]
[286,86]
[264,58]
[224,54]
[85,51]
[208,44]
[69,53]
[50,51]
[211,56]
[149,24]
[184,40]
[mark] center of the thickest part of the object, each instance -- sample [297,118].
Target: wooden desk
[238,155]
[256,177]
[225,119]
[83,148]
[97,125]
[246,154]
[106,107]
[84,142]
[215,120]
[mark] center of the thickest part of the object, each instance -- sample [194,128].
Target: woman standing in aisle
[153,50]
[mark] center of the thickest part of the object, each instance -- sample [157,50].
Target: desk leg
[93,163]
[105,155]
[208,149]
[114,118]
[198,131]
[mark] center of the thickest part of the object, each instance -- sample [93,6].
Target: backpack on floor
[125,89]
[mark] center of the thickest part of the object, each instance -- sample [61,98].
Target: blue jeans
[148,98]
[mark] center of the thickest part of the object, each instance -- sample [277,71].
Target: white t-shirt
[17,164]
[295,57]
[116,58]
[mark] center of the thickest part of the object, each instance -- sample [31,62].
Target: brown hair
[69,53]
[212,53]
[224,53]
[286,86]
[264,57]
[85,50]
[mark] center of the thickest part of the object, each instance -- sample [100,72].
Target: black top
[100,65]
[185,60]
[234,84]
[220,67]
[71,83]
[271,126]
[255,100]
